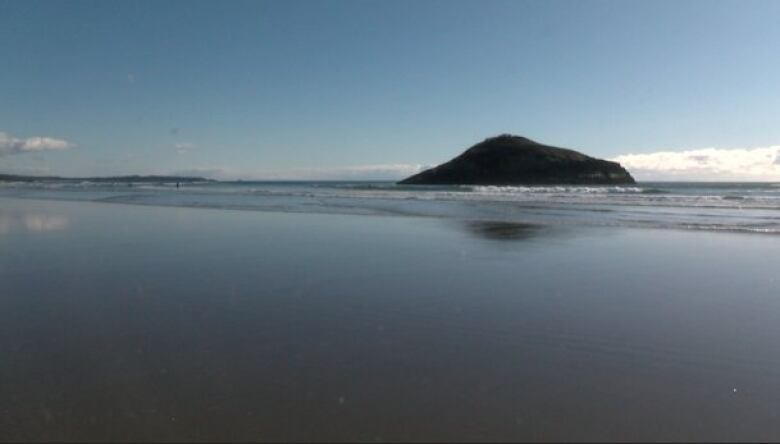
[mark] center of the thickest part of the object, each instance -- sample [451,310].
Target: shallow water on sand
[125,322]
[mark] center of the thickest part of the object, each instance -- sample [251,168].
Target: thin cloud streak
[184,148]
[355,172]
[358,172]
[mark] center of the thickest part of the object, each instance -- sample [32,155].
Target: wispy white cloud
[11,145]
[218,173]
[750,164]
[358,172]
[355,172]
[183,148]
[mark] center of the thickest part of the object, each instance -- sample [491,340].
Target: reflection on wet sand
[503,231]
[31,222]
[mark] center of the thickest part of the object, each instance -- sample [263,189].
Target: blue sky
[375,89]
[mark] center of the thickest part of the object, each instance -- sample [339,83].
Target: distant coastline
[106,179]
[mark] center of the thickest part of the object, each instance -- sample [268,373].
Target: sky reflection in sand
[31,222]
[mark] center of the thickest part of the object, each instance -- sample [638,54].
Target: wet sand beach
[122,322]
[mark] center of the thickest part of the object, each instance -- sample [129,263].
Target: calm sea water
[146,322]
[743,207]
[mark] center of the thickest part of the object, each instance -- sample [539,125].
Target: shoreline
[562,214]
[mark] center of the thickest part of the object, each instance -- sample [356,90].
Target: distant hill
[515,160]
[111,179]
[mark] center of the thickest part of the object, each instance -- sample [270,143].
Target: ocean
[737,207]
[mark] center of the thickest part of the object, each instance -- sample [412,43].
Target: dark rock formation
[514,160]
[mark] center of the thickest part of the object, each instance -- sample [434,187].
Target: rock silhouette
[515,160]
